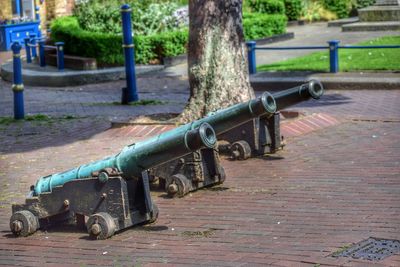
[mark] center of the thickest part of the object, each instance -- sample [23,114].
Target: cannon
[249,132]
[202,167]
[112,193]
[261,135]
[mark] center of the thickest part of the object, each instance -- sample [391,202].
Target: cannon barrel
[226,119]
[135,158]
[295,95]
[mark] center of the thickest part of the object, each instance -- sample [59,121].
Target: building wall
[6,9]
[49,10]
[58,8]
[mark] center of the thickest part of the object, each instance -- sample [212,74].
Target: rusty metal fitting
[172,189]
[95,229]
[16,226]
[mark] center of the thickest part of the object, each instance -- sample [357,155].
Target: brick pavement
[343,186]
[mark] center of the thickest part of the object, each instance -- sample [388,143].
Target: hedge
[294,9]
[341,8]
[267,6]
[258,25]
[107,48]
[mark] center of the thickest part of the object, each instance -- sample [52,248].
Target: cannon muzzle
[293,96]
[136,158]
[226,119]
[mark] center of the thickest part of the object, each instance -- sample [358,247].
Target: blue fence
[333,47]
[33,43]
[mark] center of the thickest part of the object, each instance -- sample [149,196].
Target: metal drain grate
[374,249]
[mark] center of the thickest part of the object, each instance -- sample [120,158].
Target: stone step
[387,3]
[341,22]
[379,13]
[372,26]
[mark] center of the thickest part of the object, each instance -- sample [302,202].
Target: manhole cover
[374,249]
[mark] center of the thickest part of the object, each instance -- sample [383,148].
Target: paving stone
[335,183]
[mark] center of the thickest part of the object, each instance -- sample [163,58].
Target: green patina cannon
[114,192]
[202,167]
[261,135]
[249,131]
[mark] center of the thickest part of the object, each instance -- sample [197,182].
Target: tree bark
[217,58]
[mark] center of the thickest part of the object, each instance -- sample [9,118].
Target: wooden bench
[71,62]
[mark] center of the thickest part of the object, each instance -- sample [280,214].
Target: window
[23,8]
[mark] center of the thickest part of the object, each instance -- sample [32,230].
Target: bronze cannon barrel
[135,158]
[295,95]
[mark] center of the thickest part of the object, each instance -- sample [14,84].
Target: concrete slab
[327,189]
[372,26]
[341,22]
[51,77]
[274,81]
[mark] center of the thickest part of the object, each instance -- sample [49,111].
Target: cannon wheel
[101,225]
[240,150]
[176,186]
[23,223]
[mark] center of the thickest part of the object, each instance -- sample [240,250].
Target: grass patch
[340,250]
[207,233]
[35,118]
[349,59]
[144,102]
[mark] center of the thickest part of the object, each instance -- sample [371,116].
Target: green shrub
[341,8]
[315,11]
[107,48]
[294,9]
[267,6]
[149,17]
[258,25]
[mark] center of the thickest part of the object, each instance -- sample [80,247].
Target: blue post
[60,55]
[18,86]
[129,94]
[18,7]
[33,45]
[42,60]
[334,56]
[37,18]
[251,56]
[27,50]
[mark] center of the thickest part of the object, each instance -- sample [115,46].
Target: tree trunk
[217,58]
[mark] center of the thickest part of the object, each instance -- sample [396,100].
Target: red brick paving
[330,187]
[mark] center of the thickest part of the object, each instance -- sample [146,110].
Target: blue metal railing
[333,47]
[31,46]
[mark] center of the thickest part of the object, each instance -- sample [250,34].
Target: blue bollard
[251,56]
[42,60]
[333,56]
[27,50]
[37,18]
[129,94]
[33,45]
[60,55]
[18,86]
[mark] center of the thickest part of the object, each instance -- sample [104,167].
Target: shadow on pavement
[25,136]
[327,100]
